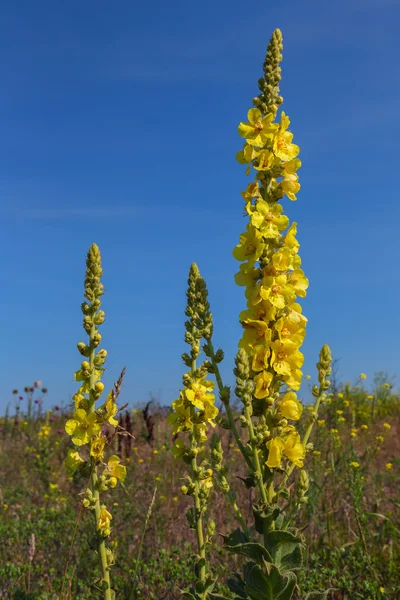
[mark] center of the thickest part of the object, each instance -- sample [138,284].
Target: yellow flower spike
[290,407]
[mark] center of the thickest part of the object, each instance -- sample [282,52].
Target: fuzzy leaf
[238,543]
[268,583]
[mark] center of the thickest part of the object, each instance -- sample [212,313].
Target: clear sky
[119,125]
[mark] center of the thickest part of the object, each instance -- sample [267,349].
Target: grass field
[351,519]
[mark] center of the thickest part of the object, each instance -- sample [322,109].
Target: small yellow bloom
[364,427]
[389,466]
[104,521]
[387,426]
[386,385]
[316,453]
[363,376]
[140,460]
[340,395]
[321,422]
[380,439]
[115,470]
[290,407]
[155,451]
[308,376]
[370,397]
[355,464]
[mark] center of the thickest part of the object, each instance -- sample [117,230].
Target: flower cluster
[273,323]
[91,417]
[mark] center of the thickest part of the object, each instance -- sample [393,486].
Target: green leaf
[285,548]
[268,583]
[237,586]
[264,517]
[237,543]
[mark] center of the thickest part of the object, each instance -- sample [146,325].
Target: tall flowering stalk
[193,412]
[268,363]
[89,419]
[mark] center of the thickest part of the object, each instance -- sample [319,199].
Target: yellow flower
[340,395]
[308,376]
[262,382]
[380,439]
[388,466]
[364,427]
[115,470]
[386,385]
[299,282]
[44,431]
[294,449]
[260,358]
[290,407]
[275,448]
[387,426]
[290,186]
[285,357]
[282,144]
[321,422]
[257,129]
[341,420]
[53,486]
[111,410]
[277,290]
[363,376]
[104,521]
[250,247]
[199,394]
[354,464]
[370,397]
[83,427]
[97,447]
[316,453]
[268,219]
[256,333]
[181,418]
[265,159]
[339,412]
[140,460]
[354,432]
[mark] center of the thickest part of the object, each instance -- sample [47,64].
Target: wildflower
[82,427]
[44,431]
[97,447]
[354,432]
[308,376]
[334,431]
[155,451]
[380,439]
[340,395]
[386,386]
[389,466]
[363,376]
[104,524]
[53,486]
[140,460]
[316,453]
[370,397]
[290,407]
[116,471]
[364,427]
[257,129]
[339,412]
[387,426]
[354,464]
[321,422]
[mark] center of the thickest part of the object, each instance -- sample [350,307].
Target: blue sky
[119,125]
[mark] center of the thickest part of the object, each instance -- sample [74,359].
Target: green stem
[101,545]
[228,409]
[256,459]
[197,504]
